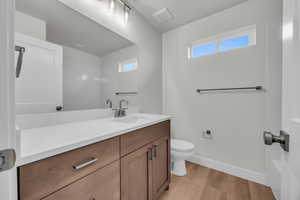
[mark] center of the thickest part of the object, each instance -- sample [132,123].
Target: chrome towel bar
[230,89]
[126,93]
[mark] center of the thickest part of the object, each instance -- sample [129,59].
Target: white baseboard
[230,169]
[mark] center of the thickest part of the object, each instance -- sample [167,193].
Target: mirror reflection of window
[128,66]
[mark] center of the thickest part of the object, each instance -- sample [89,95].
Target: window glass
[234,43]
[243,37]
[128,66]
[205,49]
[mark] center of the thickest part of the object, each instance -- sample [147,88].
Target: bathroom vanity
[126,159]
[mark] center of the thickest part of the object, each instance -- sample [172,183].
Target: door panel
[136,175]
[102,184]
[39,87]
[291,100]
[161,165]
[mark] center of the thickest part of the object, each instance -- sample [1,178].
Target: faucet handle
[109,103]
[114,109]
[121,101]
[125,101]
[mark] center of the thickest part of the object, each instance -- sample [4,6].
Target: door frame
[8,179]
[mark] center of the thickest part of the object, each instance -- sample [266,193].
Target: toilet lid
[181,146]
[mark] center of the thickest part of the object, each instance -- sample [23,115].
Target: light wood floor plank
[258,192]
[202,183]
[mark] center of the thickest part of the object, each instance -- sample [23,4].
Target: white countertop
[40,143]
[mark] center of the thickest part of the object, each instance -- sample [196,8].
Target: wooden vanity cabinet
[145,173]
[136,175]
[161,166]
[102,184]
[41,178]
[133,166]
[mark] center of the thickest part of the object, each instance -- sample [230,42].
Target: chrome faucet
[109,103]
[121,112]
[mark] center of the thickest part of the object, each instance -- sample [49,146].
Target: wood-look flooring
[203,183]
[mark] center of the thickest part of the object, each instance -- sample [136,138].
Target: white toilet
[180,152]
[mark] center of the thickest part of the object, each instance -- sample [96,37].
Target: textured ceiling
[184,11]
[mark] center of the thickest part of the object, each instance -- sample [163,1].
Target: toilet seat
[181,146]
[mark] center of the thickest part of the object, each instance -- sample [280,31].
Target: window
[129,65]
[204,49]
[241,38]
[234,43]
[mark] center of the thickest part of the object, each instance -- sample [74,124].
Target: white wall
[237,119]
[81,80]
[30,26]
[113,81]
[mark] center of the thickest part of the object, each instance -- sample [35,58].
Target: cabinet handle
[155,151]
[150,156]
[85,163]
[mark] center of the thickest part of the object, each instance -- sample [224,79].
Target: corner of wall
[30,26]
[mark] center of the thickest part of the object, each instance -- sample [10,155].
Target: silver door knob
[283,139]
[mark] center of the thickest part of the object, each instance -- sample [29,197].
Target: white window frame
[249,30]
[133,61]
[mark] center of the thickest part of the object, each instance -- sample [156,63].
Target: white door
[7,78]
[284,167]
[39,86]
[290,189]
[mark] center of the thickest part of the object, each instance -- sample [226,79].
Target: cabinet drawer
[102,184]
[44,177]
[136,139]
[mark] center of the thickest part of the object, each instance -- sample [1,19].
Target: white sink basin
[130,119]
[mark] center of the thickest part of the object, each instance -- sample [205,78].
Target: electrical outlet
[207,134]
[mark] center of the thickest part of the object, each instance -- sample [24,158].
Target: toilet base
[178,167]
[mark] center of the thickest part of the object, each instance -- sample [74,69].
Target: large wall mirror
[70,62]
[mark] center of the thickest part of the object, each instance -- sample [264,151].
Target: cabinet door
[141,137]
[136,175]
[102,184]
[161,166]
